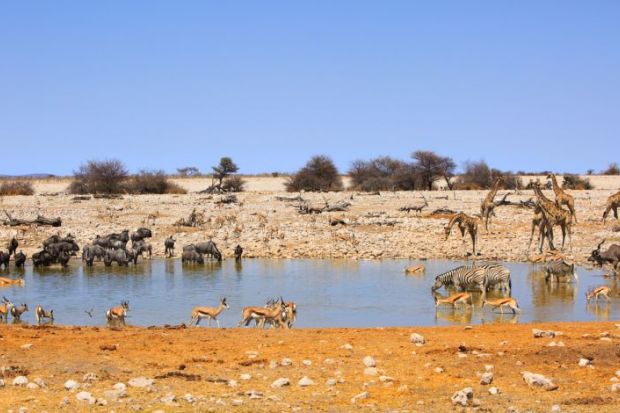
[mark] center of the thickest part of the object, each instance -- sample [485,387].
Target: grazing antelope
[454,299]
[210,313]
[118,313]
[595,293]
[8,281]
[17,312]
[503,302]
[262,315]
[5,309]
[40,314]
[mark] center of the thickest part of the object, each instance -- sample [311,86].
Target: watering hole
[328,293]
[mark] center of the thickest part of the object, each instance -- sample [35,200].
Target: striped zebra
[462,279]
[496,275]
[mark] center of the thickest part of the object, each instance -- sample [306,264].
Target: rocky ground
[395,369]
[267,226]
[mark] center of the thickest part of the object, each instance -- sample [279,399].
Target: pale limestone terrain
[271,228]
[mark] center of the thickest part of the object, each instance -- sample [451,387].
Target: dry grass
[12,188]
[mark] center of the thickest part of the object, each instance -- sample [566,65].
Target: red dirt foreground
[200,369]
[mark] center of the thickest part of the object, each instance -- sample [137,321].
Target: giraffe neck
[493,192]
[556,188]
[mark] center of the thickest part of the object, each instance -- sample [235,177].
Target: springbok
[9,281]
[118,313]
[596,292]
[210,313]
[40,314]
[503,302]
[454,299]
[17,312]
[415,269]
[261,315]
[5,309]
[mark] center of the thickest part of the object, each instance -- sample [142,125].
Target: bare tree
[319,174]
[430,167]
[100,177]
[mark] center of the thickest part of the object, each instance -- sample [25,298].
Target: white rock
[89,377]
[1,383]
[245,376]
[286,362]
[253,394]
[556,408]
[281,382]
[120,386]
[358,397]
[462,397]
[169,400]
[615,387]
[486,378]
[538,380]
[386,379]
[26,346]
[330,382]
[493,391]
[140,382]
[39,382]
[584,362]
[543,333]
[32,386]
[85,396]
[305,381]
[417,339]
[617,373]
[369,361]
[488,367]
[273,364]
[71,385]
[236,402]
[232,383]
[371,371]
[20,381]
[439,370]
[347,346]
[306,363]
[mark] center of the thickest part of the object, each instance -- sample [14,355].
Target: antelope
[40,314]
[261,315]
[454,299]
[503,302]
[290,312]
[17,312]
[118,313]
[8,281]
[210,313]
[414,269]
[595,293]
[5,308]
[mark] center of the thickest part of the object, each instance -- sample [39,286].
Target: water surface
[329,293]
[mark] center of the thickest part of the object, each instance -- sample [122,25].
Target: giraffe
[554,214]
[487,206]
[613,203]
[561,197]
[465,223]
[544,229]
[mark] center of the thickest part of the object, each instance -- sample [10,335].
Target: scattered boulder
[493,391]
[371,371]
[330,382]
[543,333]
[358,397]
[305,381]
[141,382]
[417,339]
[245,376]
[85,396]
[281,382]
[486,378]
[71,385]
[615,387]
[32,386]
[20,381]
[538,380]
[462,397]
[369,361]
[286,362]
[584,362]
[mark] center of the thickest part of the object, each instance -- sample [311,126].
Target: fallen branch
[107,196]
[443,211]
[40,220]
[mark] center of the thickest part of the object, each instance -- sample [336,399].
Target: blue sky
[527,85]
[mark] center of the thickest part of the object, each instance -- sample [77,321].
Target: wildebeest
[192,255]
[71,248]
[114,240]
[206,248]
[63,258]
[238,252]
[42,259]
[4,259]
[90,252]
[611,255]
[54,239]
[140,234]
[560,269]
[169,246]
[13,244]
[20,259]
[119,256]
[140,247]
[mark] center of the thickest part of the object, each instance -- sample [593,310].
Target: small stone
[493,391]
[488,367]
[254,395]
[358,397]
[486,378]
[462,397]
[232,383]
[245,376]
[281,382]
[140,382]
[543,333]
[329,361]
[386,379]
[369,361]
[417,339]
[20,381]
[236,402]
[1,383]
[169,400]
[584,362]
[32,386]
[439,370]
[39,382]
[538,380]
[71,385]
[89,377]
[613,379]
[556,408]
[371,371]
[120,387]
[26,346]
[273,364]
[615,387]
[617,373]
[286,362]
[347,346]
[85,396]
[305,381]
[306,363]
[331,382]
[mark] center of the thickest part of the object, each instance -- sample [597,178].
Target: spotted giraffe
[561,197]
[613,203]
[554,214]
[487,206]
[465,223]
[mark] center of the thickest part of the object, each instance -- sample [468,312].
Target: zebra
[462,279]
[497,275]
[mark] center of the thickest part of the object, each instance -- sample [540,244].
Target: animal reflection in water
[546,291]
[455,308]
